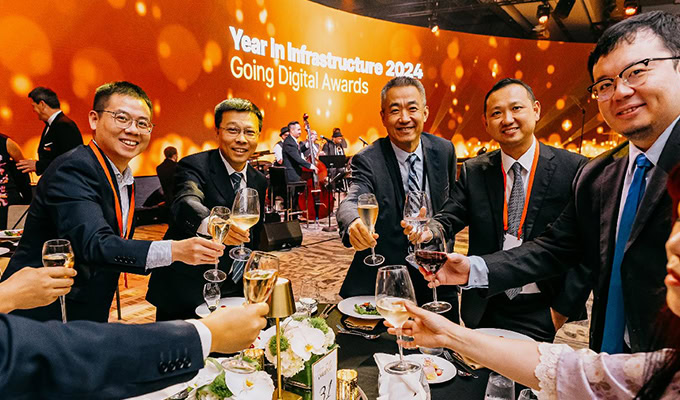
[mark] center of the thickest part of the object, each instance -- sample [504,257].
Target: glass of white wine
[218,227]
[415,201]
[245,213]
[367,206]
[259,277]
[393,287]
[211,295]
[58,253]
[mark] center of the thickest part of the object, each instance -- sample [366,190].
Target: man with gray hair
[407,159]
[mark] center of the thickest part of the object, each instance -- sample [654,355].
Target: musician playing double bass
[293,159]
[305,146]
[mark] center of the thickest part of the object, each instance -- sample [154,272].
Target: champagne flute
[58,253]
[244,213]
[415,200]
[367,207]
[218,227]
[430,255]
[211,295]
[393,287]
[259,277]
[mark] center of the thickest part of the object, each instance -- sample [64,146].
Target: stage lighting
[631,7]
[543,13]
[433,23]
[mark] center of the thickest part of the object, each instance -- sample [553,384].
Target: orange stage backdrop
[288,57]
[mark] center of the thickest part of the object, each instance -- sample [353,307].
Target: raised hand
[235,328]
[360,237]
[196,251]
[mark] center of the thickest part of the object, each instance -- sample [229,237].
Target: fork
[342,329]
[462,373]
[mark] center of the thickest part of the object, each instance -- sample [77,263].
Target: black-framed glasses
[124,121]
[633,75]
[249,133]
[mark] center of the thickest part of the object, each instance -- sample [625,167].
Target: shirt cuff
[204,334]
[479,274]
[160,254]
[203,228]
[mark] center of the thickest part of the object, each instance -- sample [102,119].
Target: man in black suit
[87,197]
[618,217]
[59,136]
[383,169]
[483,201]
[292,155]
[203,181]
[166,173]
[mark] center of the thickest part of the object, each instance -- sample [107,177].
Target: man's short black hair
[507,82]
[44,94]
[240,105]
[169,151]
[401,81]
[123,88]
[664,25]
[291,123]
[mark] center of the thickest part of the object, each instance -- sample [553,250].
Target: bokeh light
[25,46]
[560,104]
[566,125]
[140,7]
[91,67]
[179,55]
[21,85]
[6,113]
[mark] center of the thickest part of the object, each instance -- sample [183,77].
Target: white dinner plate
[3,250]
[504,333]
[449,371]
[11,234]
[202,310]
[347,307]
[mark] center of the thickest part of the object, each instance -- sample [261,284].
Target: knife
[461,363]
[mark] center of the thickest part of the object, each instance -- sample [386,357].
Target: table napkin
[363,324]
[397,387]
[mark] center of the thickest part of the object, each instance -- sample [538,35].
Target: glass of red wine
[430,255]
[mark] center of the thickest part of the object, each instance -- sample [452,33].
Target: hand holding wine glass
[367,206]
[58,253]
[393,288]
[431,254]
[218,226]
[245,213]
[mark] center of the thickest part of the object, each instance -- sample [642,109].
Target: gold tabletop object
[347,385]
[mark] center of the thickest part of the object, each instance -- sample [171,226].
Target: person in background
[60,134]
[337,146]
[15,187]
[166,173]
[278,147]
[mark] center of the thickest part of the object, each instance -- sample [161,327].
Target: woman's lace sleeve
[546,370]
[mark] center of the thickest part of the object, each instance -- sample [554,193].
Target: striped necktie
[413,185]
[236,178]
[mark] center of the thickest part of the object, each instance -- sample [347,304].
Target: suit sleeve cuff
[479,274]
[204,334]
[160,254]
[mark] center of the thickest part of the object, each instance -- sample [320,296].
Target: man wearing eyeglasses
[87,197]
[203,181]
[619,215]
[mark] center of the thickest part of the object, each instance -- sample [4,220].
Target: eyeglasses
[249,133]
[632,76]
[124,121]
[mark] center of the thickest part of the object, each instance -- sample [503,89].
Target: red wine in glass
[430,260]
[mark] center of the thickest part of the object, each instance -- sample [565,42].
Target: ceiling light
[631,7]
[543,13]
[433,23]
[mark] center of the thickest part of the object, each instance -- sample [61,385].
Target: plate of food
[362,307]
[504,333]
[202,310]
[11,234]
[436,369]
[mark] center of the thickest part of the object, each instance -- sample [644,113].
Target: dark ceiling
[570,20]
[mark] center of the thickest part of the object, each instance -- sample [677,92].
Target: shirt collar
[125,178]
[526,160]
[53,117]
[654,152]
[231,170]
[403,155]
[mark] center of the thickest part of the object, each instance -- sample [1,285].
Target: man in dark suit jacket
[510,115]
[376,170]
[627,278]
[203,181]
[292,157]
[85,198]
[166,173]
[59,136]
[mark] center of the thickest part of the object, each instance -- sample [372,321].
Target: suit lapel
[611,181]
[544,173]
[392,166]
[221,177]
[493,177]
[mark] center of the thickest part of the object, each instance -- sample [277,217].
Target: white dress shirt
[419,168]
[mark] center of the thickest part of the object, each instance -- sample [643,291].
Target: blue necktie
[615,319]
[237,270]
[413,185]
[236,180]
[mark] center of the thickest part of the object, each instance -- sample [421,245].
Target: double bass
[316,199]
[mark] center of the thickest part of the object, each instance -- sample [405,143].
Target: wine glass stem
[401,350]
[62,301]
[373,253]
[434,294]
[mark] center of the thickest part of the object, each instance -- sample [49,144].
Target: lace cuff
[546,370]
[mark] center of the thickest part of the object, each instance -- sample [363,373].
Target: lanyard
[119,213]
[526,198]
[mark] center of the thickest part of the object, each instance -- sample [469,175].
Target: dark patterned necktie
[236,178]
[413,185]
[515,208]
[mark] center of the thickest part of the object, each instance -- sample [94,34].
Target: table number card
[324,374]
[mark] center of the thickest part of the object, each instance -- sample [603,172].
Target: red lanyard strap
[119,213]
[526,198]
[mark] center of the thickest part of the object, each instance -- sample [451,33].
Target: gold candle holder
[281,305]
[348,387]
[256,355]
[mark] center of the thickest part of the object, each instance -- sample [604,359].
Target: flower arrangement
[234,386]
[303,340]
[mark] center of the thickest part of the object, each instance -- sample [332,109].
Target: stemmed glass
[415,200]
[211,295]
[218,226]
[393,287]
[259,277]
[58,253]
[367,206]
[431,250]
[244,213]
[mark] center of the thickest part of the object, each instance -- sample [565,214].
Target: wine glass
[527,394]
[393,287]
[58,253]
[430,255]
[259,277]
[415,200]
[212,294]
[499,387]
[218,226]
[244,213]
[368,212]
